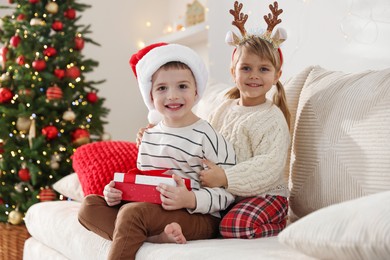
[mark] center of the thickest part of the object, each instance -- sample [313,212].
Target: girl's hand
[178,197]
[213,177]
[141,133]
[111,195]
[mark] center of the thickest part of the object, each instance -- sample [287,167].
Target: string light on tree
[45,105]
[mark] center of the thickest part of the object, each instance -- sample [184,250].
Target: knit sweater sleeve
[268,139]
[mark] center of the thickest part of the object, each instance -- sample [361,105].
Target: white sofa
[339,172]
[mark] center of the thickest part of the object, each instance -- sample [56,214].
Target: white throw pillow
[70,187]
[355,229]
[341,144]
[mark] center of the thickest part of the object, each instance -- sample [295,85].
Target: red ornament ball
[39,65]
[24,174]
[20,17]
[80,136]
[47,194]
[59,73]
[15,40]
[51,132]
[5,95]
[57,26]
[73,72]
[1,147]
[70,14]
[54,93]
[50,52]
[33,1]
[21,60]
[78,43]
[3,52]
[92,97]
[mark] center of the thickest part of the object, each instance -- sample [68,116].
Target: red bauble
[24,174]
[39,65]
[50,52]
[73,72]
[21,60]
[59,73]
[50,132]
[33,1]
[3,53]
[1,147]
[20,17]
[80,136]
[70,14]
[47,194]
[5,95]
[57,26]
[92,97]
[54,93]
[15,40]
[78,43]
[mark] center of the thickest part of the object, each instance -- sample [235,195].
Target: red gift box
[141,186]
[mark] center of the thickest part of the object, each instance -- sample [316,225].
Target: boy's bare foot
[172,234]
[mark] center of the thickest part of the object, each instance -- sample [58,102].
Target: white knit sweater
[261,140]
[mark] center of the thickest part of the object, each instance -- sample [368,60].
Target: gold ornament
[81,140]
[4,77]
[106,137]
[54,165]
[37,22]
[69,115]
[23,124]
[15,217]
[52,7]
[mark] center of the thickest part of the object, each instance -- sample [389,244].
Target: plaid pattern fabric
[255,217]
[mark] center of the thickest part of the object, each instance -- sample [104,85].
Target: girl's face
[254,77]
[174,94]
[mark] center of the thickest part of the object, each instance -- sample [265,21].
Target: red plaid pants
[255,217]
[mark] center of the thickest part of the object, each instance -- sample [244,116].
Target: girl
[259,131]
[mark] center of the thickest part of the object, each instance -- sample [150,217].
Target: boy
[171,78]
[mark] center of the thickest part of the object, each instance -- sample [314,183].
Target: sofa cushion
[96,163]
[70,187]
[355,229]
[341,144]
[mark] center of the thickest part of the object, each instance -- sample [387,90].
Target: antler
[239,18]
[272,20]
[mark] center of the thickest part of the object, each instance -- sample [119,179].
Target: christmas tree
[47,107]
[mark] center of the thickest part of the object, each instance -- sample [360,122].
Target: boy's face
[174,94]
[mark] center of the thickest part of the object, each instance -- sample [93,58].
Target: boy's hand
[141,133]
[111,195]
[213,177]
[179,197]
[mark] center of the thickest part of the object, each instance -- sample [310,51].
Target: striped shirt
[181,151]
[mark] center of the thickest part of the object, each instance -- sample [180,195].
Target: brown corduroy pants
[128,225]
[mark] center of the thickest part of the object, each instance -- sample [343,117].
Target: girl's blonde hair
[264,50]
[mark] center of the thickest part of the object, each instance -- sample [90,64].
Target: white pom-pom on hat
[149,59]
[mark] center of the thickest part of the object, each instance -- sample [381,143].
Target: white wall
[315,37]
[348,35]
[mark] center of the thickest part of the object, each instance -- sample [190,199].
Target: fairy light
[141,44]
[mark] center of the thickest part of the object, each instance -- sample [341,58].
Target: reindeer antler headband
[272,20]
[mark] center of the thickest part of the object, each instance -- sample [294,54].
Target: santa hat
[148,60]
